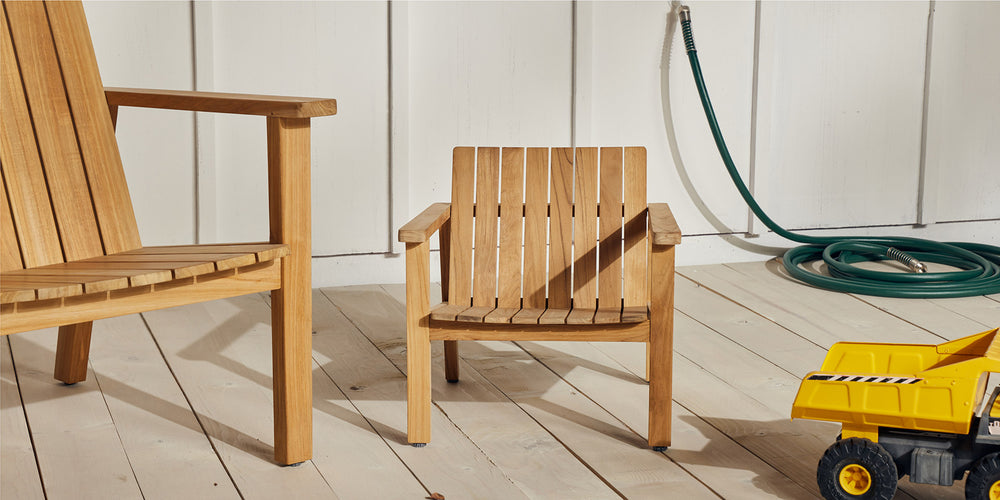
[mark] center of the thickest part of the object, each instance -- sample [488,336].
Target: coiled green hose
[979,264]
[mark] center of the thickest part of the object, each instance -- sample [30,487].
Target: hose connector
[685,17]
[906,259]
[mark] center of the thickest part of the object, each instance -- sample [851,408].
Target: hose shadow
[671,135]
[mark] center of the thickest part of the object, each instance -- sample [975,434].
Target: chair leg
[418,344]
[72,352]
[291,305]
[661,347]
[451,361]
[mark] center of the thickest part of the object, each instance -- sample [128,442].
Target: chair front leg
[661,340]
[72,352]
[291,305]
[418,344]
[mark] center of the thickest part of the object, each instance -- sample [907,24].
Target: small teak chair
[608,278]
[70,245]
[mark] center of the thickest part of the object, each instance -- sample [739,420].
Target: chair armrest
[662,225]
[244,104]
[424,225]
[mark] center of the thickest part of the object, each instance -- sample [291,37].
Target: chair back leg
[73,352]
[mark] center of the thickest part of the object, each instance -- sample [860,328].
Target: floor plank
[18,470]
[80,453]
[526,454]
[159,431]
[220,352]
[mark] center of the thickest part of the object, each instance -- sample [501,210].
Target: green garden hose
[978,264]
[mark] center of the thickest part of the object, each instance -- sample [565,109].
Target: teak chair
[70,245]
[608,278]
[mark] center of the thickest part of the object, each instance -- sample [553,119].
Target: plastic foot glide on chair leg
[659,448]
[453,381]
[296,464]
[418,445]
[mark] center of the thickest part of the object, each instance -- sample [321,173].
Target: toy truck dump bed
[922,387]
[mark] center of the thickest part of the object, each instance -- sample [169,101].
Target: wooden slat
[92,283]
[43,290]
[634,279]
[484,276]
[222,261]
[263,251]
[501,315]
[560,228]
[447,312]
[585,237]
[511,223]
[555,316]
[609,279]
[96,136]
[145,272]
[23,177]
[636,332]
[54,131]
[258,278]
[10,255]
[217,102]
[527,316]
[463,177]
[474,314]
[536,210]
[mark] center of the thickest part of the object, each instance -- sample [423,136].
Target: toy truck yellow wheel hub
[856,480]
[995,491]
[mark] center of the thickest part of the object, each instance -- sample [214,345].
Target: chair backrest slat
[36,236]
[585,229]
[610,248]
[463,185]
[511,224]
[560,228]
[10,254]
[484,277]
[65,183]
[98,147]
[571,224]
[536,213]
[634,281]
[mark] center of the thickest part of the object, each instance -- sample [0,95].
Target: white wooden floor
[178,402]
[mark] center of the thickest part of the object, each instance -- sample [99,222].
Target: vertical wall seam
[194,120]
[926,211]
[752,175]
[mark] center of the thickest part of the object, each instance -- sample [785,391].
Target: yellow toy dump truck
[907,409]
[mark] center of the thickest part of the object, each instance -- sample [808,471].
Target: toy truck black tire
[870,461]
[982,477]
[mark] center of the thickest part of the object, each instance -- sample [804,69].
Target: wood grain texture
[54,130]
[24,179]
[663,228]
[511,229]
[660,347]
[462,198]
[609,277]
[635,278]
[10,252]
[560,228]
[418,344]
[484,275]
[637,332]
[217,102]
[95,133]
[536,210]
[587,185]
[72,352]
[288,166]
[421,227]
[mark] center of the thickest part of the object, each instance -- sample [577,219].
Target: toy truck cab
[907,409]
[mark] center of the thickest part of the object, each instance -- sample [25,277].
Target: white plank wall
[836,140]
[963,128]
